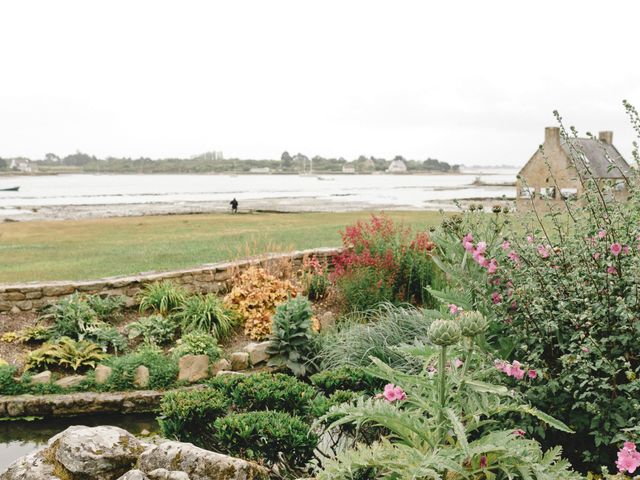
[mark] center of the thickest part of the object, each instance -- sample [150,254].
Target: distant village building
[397,166]
[21,165]
[260,170]
[348,168]
[555,173]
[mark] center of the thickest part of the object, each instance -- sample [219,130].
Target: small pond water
[19,437]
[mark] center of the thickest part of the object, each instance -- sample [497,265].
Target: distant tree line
[208,163]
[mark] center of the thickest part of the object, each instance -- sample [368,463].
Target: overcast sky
[471,82]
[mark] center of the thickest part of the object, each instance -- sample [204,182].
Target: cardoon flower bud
[444,332]
[472,324]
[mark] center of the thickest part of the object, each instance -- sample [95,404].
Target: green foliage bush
[206,313]
[197,343]
[154,329]
[267,437]
[291,339]
[108,309]
[266,391]
[71,317]
[188,416]
[347,378]
[383,262]
[162,297]
[377,334]
[65,353]
[8,385]
[163,370]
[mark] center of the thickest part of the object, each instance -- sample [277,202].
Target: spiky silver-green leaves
[444,332]
[472,324]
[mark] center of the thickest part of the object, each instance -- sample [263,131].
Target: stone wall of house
[209,278]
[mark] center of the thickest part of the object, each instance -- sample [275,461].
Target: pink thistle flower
[611,270]
[392,393]
[616,248]
[532,374]
[602,234]
[506,245]
[628,458]
[454,309]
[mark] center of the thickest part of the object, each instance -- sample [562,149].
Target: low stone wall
[84,403]
[208,278]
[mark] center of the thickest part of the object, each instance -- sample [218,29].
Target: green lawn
[85,249]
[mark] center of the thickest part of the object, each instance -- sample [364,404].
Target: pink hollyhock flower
[496,298]
[481,247]
[506,245]
[467,238]
[626,249]
[483,461]
[516,370]
[596,256]
[532,374]
[493,266]
[628,458]
[519,432]
[602,234]
[392,393]
[468,246]
[457,363]
[616,248]
[542,251]
[479,258]
[454,309]
[501,366]
[612,270]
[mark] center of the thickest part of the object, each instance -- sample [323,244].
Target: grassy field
[85,249]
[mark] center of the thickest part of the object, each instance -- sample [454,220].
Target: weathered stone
[102,374]
[14,296]
[222,364]
[5,306]
[130,301]
[57,290]
[134,475]
[42,377]
[32,467]
[33,295]
[99,453]
[327,320]
[16,408]
[24,305]
[199,464]
[15,310]
[239,361]
[227,372]
[257,352]
[193,368]
[141,377]
[70,381]
[164,474]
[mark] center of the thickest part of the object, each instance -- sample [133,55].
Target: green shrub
[108,338]
[197,343]
[163,370]
[348,378]
[8,384]
[383,330]
[154,329]
[266,391]
[108,308]
[267,437]
[71,317]
[188,416]
[322,404]
[65,353]
[291,336]
[161,297]
[206,314]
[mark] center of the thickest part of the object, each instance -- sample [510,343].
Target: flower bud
[444,332]
[472,324]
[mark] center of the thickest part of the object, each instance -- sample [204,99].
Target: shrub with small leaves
[197,343]
[354,379]
[163,370]
[154,329]
[108,308]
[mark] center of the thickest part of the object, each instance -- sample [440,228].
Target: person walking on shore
[234,205]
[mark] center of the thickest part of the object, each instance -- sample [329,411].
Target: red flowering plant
[383,262]
[563,290]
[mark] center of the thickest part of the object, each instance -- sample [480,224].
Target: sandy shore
[282,205]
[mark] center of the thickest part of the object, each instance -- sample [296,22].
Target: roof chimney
[552,136]
[606,137]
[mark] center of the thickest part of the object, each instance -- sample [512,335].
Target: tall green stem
[442,390]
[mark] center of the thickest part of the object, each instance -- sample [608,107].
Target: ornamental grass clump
[383,262]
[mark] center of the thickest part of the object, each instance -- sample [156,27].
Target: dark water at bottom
[19,438]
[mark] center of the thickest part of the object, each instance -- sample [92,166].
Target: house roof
[602,159]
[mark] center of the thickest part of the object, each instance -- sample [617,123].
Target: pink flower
[593,242]
[479,258]
[626,249]
[628,458]
[505,245]
[596,256]
[468,246]
[481,247]
[454,309]
[616,248]
[544,253]
[516,370]
[514,256]
[585,350]
[519,432]
[602,234]
[612,270]
[468,237]
[457,363]
[392,393]
[496,298]
[532,374]
[493,266]
[530,238]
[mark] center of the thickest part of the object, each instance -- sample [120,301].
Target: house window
[548,192]
[568,193]
[527,192]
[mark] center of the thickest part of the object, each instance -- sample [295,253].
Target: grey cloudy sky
[464,81]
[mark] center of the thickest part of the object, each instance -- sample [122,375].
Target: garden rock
[164,474]
[32,467]
[257,352]
[239,361]
[70,381]
[198,464]
[134,475]
[141,377]
[193,368]
[222,364]
[99,453]
[42,377]
[102,374]
[227,372]
[327,320]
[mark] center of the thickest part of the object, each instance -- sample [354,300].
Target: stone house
[555,174]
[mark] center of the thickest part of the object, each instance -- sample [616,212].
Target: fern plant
[161,297]
[206,313]
[443,425]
